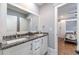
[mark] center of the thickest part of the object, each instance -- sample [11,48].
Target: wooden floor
[66,48]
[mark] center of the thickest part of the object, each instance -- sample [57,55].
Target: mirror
[20,21]
[34,21]
[16,22]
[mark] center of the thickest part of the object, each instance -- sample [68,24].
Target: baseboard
[77,51]
[46,53]
[52,51]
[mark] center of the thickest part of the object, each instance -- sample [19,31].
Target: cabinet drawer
[36,44]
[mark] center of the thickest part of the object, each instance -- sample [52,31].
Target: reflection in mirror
[34,23]
[16,22]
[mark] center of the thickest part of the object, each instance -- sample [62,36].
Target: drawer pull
[31,46]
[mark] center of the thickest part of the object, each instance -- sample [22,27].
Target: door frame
[56,25]
[77,49]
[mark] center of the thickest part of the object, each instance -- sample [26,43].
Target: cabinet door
[22,49]
[36,46]
[44,46]
[0,52]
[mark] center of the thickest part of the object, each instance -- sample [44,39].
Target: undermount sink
[39,34]
[16,40]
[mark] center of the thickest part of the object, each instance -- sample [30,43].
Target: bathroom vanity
[35,44]
[15,38]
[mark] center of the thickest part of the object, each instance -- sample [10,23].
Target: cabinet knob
[31,46]
[42,41]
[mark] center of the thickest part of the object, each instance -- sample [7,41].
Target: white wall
[47,22]
[3,14]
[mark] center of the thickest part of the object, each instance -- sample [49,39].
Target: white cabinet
[36,46]
[22,49]
[0,52]
[40,46]
[44,45]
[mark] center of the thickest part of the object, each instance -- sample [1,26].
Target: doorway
[67,28]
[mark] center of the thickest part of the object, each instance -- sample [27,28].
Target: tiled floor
[66,48]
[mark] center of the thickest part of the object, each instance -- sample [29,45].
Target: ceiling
[39,4]
[15,8]
[67,10]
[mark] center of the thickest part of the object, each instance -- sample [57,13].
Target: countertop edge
[3,48]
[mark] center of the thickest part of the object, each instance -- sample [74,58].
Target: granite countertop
[18,41]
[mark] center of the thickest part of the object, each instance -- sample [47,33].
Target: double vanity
[25,44]
[20,33]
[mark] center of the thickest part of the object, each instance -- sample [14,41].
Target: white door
[61,29]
